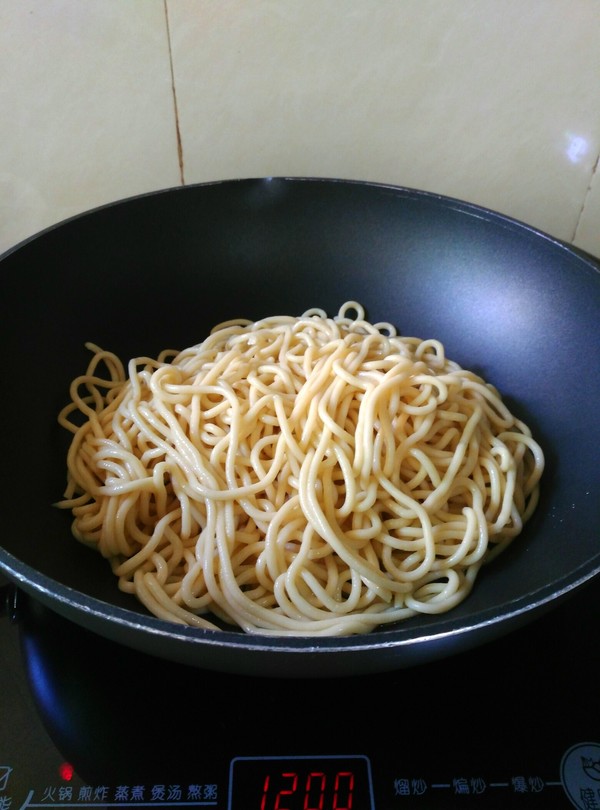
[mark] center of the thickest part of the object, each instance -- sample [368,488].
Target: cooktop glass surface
[88,723]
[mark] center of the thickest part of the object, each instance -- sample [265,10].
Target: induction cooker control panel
[317,782]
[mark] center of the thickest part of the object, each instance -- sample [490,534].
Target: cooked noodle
[296,476]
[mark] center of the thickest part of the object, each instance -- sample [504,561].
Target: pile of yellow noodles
[296,476]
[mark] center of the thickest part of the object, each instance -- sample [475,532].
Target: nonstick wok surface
[158,271]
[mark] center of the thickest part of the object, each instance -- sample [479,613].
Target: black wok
[159,270]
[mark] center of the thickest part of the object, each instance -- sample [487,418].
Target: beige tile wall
[492,101]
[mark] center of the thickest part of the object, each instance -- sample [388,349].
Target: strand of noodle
[273,557]
[297,571]
[190,460]
[153,597]
[312,509]
[435,598]
[244,612]
[364,461]
[440,492]
[538,457]
[416,509]
[133,562]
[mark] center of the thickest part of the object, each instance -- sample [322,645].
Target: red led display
[300,783]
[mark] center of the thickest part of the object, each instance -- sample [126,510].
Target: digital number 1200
[300,783]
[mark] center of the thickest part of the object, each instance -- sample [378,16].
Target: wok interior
[159,271]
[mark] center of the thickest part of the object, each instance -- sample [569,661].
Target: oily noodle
[296,476]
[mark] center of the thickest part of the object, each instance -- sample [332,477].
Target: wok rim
[474,209]
[76,604]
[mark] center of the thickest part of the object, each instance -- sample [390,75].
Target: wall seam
[585,199]
[174,94]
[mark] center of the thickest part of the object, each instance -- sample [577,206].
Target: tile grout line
[175,107]
[585,198]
